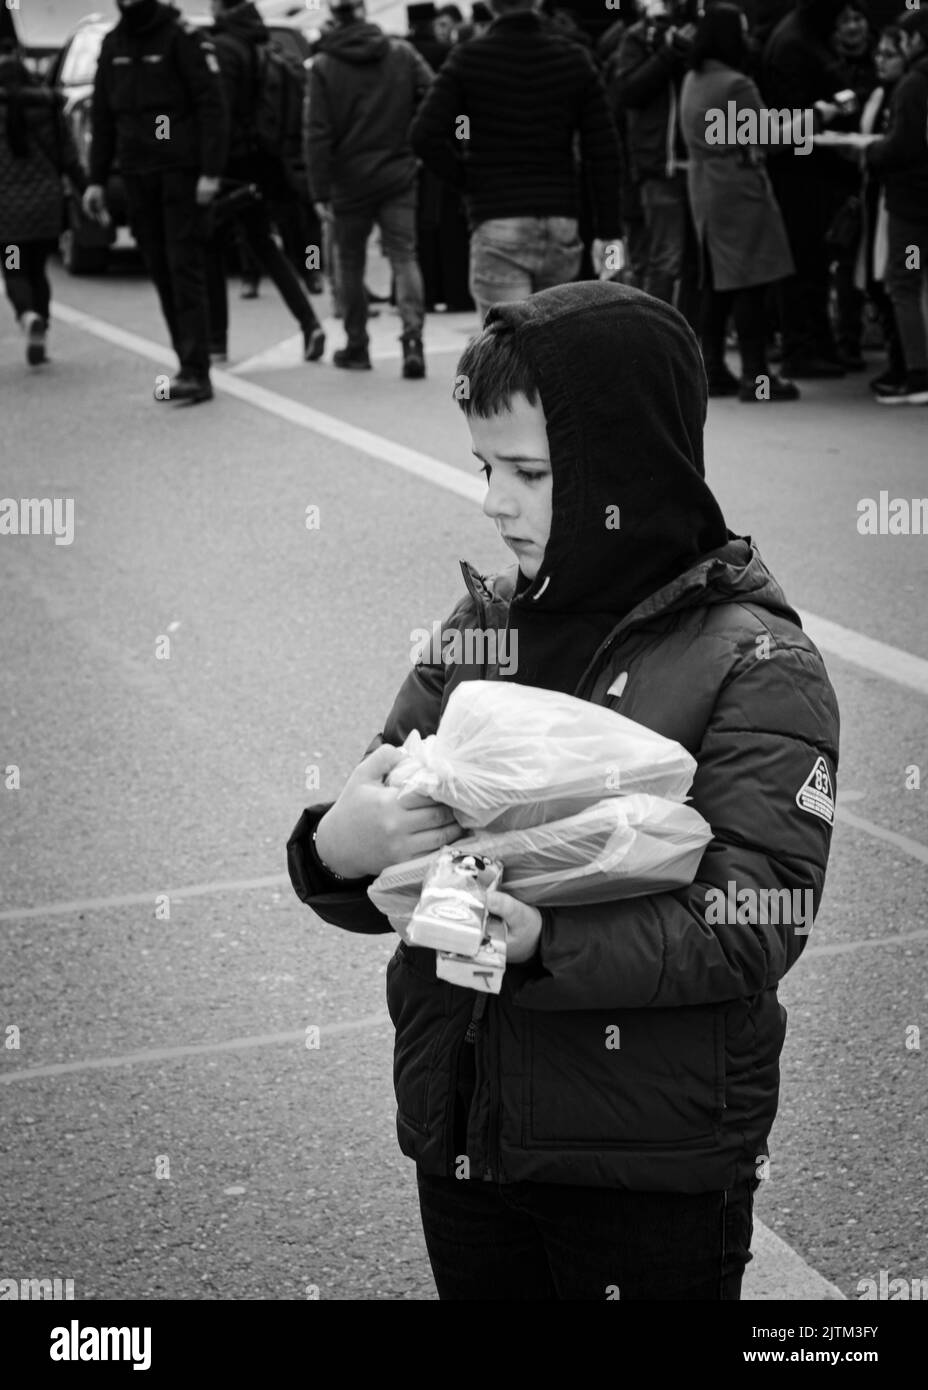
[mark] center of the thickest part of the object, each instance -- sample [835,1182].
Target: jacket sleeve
[601,155]
[318,135]
[905,141]
[772,721]
[640,76]
[103,121]
[432,133]
[201,74]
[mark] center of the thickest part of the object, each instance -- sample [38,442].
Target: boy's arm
[668,949]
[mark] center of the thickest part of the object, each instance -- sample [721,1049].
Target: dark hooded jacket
[36,148]
[155,65]
[362,94]
[237,33]
[703,648]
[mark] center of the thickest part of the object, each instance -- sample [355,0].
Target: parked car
[84,244]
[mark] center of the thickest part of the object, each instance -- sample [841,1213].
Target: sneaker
[189,389]
[313,343]
[34,329]
[887,383]
[913,391]
[413,358]
[354,358]
[249,289]
[780,389]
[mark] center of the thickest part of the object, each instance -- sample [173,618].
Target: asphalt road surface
[167,1132]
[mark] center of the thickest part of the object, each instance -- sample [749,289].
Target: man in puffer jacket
[363,91]
[36,148]
[602,1123]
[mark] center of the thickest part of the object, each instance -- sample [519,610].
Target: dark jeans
[396,218]
[253,225]
[28,288]
[908,245]
[671,270]
[528,1240]
[808,201]
[171,230]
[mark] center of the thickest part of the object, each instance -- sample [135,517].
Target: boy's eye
[529,477]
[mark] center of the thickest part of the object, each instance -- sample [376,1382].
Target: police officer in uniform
[159,113]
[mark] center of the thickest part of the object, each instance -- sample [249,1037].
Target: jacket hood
[355,43]
[623,388]
[243,22]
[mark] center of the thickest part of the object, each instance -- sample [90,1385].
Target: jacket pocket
[418,1005]
[624,1079]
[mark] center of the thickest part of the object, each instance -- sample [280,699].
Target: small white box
[483,972]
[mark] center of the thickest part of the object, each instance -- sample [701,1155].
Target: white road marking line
[880,659]
[890,837]
[195,890]
[172,1054]
[892,663]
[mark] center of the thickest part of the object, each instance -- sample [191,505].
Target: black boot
[413,357]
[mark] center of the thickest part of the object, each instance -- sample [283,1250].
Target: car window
[80,63]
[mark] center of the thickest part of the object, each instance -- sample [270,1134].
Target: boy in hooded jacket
[598,1130]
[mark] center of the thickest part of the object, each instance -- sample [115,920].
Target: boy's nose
[497,504]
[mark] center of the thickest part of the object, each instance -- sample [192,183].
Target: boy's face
[513,449]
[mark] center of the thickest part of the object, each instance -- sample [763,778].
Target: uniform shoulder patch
[817,795]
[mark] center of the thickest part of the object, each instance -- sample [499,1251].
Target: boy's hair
[495,369]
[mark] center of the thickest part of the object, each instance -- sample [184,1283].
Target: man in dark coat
[159,112]
[901,160]
[363,91]
[551,1163]
[238,33]
[800,67]
[499,124]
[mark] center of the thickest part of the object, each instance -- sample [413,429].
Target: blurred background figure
[870,267]
[646,77]
[362,93]
[900,158]
[238,34]
[743,243]
[36,149]
[531,103]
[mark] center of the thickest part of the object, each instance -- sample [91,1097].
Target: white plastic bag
[508,755]
[619,848]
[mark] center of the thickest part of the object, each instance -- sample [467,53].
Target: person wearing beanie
[36,149]
[159,112]
[552,1163]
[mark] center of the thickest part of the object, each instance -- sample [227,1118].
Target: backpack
[278,104]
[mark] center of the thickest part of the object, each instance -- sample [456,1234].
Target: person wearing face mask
[159,112]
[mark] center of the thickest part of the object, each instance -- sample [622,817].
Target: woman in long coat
[743,242]
[36,148]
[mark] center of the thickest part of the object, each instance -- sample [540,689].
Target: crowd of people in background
[763,167]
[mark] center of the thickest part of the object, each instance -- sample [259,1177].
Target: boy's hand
[523,926]
[367,829]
